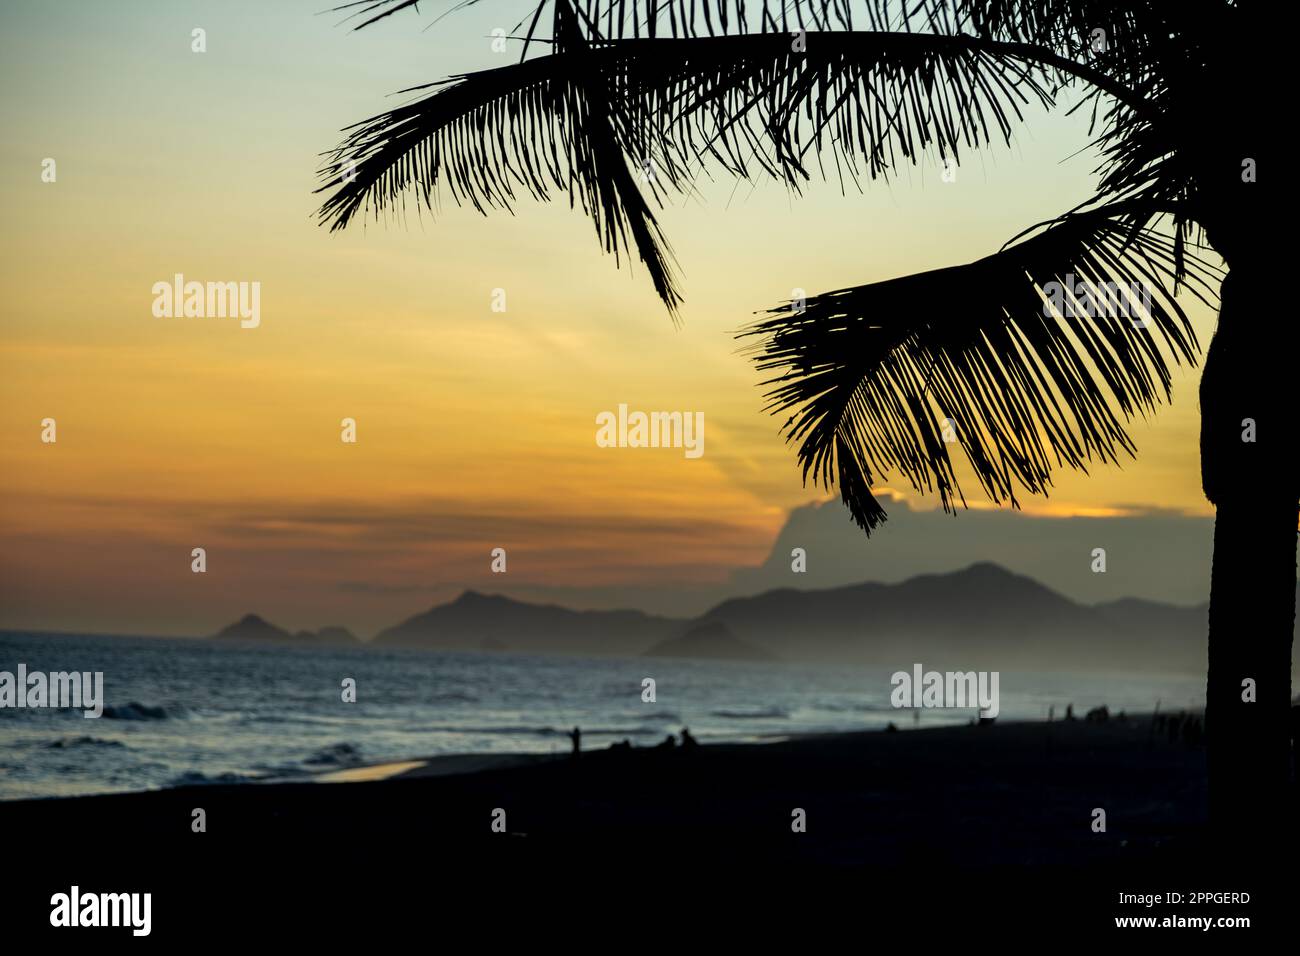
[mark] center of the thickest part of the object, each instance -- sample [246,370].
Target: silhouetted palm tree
[634,94]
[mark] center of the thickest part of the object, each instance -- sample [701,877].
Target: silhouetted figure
[625,744]
[1069,712]
[1098,715]
[576,736]
[668,743]
[688,742]
[891,728]
[1051,713]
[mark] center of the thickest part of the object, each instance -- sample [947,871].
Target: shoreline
[1044,776]
[417,767]
[440,765]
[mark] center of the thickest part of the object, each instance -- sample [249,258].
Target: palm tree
[1035,356]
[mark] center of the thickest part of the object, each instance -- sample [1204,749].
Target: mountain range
[982,617]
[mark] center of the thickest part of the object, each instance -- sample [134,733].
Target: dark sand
[995,816]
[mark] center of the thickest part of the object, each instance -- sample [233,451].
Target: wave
[525,731]
[453,697]
[196,778]
[505,729]
[335,755]
[856,708]
[620,731]
[299,719]
[138,711]
[768,712]
[83,741]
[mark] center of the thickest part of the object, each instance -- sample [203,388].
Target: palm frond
[865,100]
[489,137]
[1131,27]
[849,101]
[872,376]
[574,120]
[375,10]
[1126,48]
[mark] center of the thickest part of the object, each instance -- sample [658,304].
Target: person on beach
[1098,715]
[576,736]
[687,740]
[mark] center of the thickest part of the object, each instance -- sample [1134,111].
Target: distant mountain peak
[475,620]
[470,596]
[985,576]
[989,572]
[708,639]
[252,627]
[334,634]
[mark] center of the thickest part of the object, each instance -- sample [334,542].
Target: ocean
[193,711]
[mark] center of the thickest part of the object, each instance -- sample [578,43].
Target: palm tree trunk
[1252,613]
[1249,379]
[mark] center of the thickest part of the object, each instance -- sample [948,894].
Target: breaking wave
[335,755]
[137,711]
[83,741]
[758,714]
[195,778]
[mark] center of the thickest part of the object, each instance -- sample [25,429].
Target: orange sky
[476,428]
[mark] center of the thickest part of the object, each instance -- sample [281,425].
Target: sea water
[185,711]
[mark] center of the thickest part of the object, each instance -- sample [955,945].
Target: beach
[999,816]
[1017,793]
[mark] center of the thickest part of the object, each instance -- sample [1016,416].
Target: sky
[475,428]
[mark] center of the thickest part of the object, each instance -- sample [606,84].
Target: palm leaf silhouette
[871,373]
[533,126]
[575,120]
